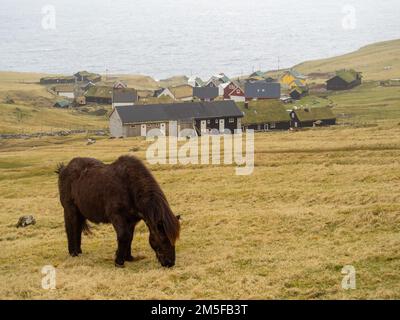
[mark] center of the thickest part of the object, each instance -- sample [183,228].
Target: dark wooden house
[344,80]
[99,94]
[57,80]
[311,117]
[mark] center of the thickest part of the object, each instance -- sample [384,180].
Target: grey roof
[178,111]
[205,92]
[124,95]
[263,89]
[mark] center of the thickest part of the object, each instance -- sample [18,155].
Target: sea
[163,38]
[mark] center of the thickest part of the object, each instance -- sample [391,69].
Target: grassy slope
[371,60]
[368,103]
[318,200]
[33,111]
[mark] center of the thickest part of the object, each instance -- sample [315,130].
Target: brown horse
[122,193]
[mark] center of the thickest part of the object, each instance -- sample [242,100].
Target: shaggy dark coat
[122,193]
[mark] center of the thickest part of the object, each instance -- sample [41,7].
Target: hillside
[379,61]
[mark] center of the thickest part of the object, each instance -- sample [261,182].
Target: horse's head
[163,234]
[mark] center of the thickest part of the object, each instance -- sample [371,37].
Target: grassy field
[317,200]
[368,103]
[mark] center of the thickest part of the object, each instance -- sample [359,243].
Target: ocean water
[162,38]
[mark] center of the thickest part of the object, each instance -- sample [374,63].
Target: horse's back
[95,189]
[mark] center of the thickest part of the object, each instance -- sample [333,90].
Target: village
[218,105]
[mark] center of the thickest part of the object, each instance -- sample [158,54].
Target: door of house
[143,130]
[203,126]
[162,128]
[173,128]
[221,125]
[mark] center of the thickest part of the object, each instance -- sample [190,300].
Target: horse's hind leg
[123,230]
[128,255]
[74,222]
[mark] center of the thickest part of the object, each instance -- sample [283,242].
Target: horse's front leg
[122,228]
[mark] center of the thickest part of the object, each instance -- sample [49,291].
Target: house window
[208,121]
[273,125]
[216,121]
[231,120]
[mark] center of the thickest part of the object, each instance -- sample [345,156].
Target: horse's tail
[60,168]
[86,228]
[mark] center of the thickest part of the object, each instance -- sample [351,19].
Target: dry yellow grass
[317,200]
[378,61]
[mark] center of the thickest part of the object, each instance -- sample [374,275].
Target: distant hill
[379,61]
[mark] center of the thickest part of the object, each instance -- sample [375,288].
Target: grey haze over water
[162,38]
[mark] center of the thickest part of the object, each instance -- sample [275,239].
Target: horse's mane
[147,194]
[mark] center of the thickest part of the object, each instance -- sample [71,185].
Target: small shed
[63,104]
[297,93]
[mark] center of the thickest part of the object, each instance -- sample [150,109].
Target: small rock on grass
[25,221]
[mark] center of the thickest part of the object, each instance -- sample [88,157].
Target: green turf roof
[99,92]
[347,75]
[314,114]
[264,111]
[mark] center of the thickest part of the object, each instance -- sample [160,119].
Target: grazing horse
[121,193]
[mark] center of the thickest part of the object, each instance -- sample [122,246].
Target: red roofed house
[232,91]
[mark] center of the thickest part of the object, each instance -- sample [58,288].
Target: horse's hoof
[130,259]
[74,254]
[119,265]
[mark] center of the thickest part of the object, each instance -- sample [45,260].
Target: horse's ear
[178,216]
